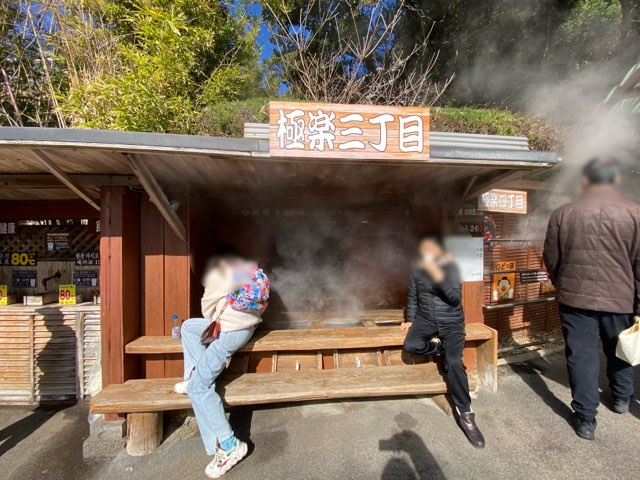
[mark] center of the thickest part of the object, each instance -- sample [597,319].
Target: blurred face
[429,250]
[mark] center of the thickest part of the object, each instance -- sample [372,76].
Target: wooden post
[487,361]
[119,282]
[144,433]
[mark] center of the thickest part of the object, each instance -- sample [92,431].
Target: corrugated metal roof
[436,139]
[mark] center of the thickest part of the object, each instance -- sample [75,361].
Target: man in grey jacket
[592,253]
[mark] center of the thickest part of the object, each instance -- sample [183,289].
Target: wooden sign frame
[505,201]
[323,130]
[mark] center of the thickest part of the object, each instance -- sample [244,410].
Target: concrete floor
[528,437]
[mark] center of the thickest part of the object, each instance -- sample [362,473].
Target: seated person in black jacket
[435,324]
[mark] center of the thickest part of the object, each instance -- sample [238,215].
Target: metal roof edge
[72,137]
[525,156]
[199,144]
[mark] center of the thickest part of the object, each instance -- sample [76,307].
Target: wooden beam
[36,180]
[153,189]
[496,181]
[464,196]
[56,171]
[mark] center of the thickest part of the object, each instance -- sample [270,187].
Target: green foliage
[228,118]
[541,134]
[175,58]
[591,32]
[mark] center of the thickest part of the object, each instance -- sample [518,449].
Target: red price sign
[67,294]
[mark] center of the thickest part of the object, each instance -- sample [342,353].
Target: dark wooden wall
[148,274]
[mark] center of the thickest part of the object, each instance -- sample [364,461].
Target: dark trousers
[452,338]
[582,329]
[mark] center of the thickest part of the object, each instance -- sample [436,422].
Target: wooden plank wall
[165,280]
[47,354]
[120,281]
[523,320]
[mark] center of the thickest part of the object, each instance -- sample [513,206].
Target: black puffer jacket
[440,304]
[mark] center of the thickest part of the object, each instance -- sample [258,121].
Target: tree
[147,65]
[347,52]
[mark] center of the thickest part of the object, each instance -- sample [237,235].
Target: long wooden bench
[308,339]
[377,350]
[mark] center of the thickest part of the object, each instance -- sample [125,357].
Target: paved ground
[525,425]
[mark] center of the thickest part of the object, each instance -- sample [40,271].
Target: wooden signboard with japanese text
[506,201]
[321,130]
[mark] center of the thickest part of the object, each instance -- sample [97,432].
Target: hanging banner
[503,284]
[298,129]
[67,294]
[506,201]
[4,295]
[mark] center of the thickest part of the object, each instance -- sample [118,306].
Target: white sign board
[469,256]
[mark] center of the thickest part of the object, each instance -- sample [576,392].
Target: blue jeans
[202,365]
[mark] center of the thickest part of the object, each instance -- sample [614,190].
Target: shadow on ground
[12,435]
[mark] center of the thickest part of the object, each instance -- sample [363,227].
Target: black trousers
[582,329]
[452,338]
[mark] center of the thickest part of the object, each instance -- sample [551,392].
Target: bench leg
[443,403]
[487,362]
[144,433]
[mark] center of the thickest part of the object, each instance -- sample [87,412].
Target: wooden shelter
[165,202]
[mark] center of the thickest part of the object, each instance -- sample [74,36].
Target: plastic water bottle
[175,331]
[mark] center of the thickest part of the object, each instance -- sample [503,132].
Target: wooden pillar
[119,282]
[144,433]
[472,296]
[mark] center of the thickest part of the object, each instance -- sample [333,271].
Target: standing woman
[236,294]
[435,325]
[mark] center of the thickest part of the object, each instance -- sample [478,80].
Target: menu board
[25,278]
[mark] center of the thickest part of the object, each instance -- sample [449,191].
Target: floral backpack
[253,295]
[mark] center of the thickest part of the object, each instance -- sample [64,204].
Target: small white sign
[469,255]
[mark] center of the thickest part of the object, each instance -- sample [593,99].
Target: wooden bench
[313,364]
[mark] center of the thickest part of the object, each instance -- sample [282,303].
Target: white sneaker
[224,460]
[181,387]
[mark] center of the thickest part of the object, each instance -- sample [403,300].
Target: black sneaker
[621,405]
[584,428]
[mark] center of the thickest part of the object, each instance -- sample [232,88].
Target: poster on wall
[57,242]
[547,287]
[87,259]
[85,278]
[534,276]
[67,294]
[17,259]
[503,282]
[25,278]
[469,255]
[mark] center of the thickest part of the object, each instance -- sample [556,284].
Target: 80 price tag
[67,294]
